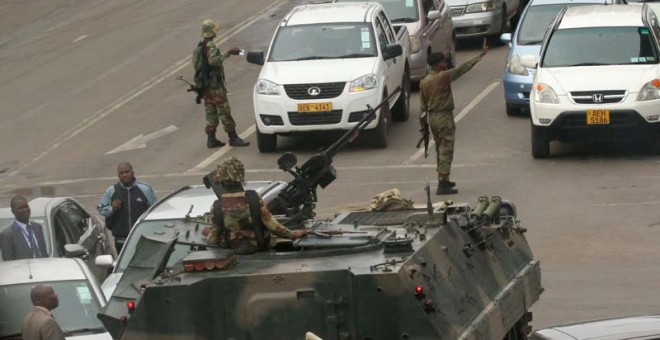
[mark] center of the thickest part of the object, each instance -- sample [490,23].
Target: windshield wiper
[586,64]
[91,330]
[530,42]
[313,58]
[404,20]
[356,55]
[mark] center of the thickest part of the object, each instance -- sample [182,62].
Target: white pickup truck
[325,64]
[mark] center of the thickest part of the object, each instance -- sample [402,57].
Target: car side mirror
[255,57]
[392,51]
[74,250]
[505,38]
[104,261]
[433,15]
[529,60]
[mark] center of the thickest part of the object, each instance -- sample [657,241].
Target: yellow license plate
[598,117]
[315,107]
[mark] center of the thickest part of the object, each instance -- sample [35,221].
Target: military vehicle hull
[401,274]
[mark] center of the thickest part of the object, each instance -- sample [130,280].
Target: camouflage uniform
[437,99]
[216,103]
[236,210]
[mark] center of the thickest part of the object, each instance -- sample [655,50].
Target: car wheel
[379,134]
[540,145]
[401,111]
[513,110]
[266,142]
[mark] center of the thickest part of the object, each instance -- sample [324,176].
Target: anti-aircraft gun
[442,271]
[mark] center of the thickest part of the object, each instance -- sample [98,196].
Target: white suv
[598,77]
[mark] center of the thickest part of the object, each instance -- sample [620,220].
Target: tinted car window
[600,46]
[399,10]
[77,309]
[536,22]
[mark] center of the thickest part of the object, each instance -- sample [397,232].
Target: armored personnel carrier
[445,271]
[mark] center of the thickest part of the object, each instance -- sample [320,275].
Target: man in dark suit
[39,324]
[22,239]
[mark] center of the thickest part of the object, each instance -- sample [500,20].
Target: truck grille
[324,90]
[320,118]
[598,97]
[457,11]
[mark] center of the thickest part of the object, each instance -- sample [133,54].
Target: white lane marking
[80,38]
[223,150]
[167,73]
[458,117]
[141,140]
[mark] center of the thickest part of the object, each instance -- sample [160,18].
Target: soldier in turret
[240,218]
[437,102]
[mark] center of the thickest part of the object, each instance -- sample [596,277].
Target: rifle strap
[257,222]
[219,220]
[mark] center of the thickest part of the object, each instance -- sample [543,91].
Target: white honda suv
[597,78]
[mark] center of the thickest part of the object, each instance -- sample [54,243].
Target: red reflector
[419,290]
[429,306]
[131,306]
[209,265]
[199,266]
[188,267]
[123,320]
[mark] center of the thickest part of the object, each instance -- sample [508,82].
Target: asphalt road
[79,79]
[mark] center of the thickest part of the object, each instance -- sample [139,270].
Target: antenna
[29,269]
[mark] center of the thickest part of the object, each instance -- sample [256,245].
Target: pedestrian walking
[437,103]
[40,324]
[124,202]
[210,80]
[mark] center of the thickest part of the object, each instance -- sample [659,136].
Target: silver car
[66,221]
[639,328]
[79,294]
[478,18]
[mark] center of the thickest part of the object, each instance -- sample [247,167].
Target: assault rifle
[298,199]
[193,88]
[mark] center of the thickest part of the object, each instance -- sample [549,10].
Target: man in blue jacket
[123,203]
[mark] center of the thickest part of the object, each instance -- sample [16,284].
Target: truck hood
[589,78]
[313,71]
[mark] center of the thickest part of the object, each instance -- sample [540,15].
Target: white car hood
[316,71]
[99,336]
[590,78]
[453,3]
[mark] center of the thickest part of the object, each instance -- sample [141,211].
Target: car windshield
[165,229]
[600,46]
[397,10]
[536,21]
[76,313]
[323,41]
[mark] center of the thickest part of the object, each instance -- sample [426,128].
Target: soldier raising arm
[437,102]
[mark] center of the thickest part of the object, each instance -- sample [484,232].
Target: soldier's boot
[446,188]
[211,140]
[235,140]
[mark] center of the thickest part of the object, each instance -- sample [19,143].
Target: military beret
[435,58]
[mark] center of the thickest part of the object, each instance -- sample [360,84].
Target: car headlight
[267,87]
[481,7]
[364,83]
[650,91]
[515,67]
[415,45]
[545,94]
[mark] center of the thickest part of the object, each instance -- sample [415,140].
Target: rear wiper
[313,57]
[94,330]
[404,20]
[356,55]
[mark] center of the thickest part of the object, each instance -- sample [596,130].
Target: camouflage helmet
[209,28]
[230,170]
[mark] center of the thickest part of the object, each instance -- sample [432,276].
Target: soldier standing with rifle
[437,105]
[210,85]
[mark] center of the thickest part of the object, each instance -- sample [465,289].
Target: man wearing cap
[210,78]
[240,219]
[437,103]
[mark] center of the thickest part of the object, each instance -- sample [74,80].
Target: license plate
[598,117]
[315,107]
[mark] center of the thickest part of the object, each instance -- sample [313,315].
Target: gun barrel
[481,206]
[493,207]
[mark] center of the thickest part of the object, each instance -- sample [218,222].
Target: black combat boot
[234,140]
[211,141]
[446,188]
